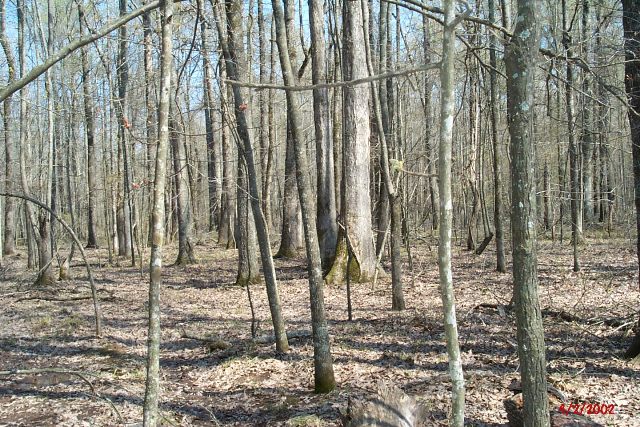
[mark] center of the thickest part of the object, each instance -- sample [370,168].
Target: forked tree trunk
[520,60]
[152,386]
[447,103]
[382,121]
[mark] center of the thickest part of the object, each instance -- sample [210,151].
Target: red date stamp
[588,408]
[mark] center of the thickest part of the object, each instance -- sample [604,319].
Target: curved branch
[94,294]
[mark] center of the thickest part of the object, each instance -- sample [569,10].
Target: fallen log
[390,407]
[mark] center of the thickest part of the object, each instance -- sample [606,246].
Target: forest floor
[587,322]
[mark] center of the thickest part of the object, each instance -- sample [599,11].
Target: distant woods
[173,123]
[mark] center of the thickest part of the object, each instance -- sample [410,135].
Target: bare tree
[8,244]
[356,204]
[520,60]
[152,386]
[447,76]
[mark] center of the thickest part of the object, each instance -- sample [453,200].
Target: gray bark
[152,386]
[326,209]
[323,363]
[520,60]
[447,103]
[232,51]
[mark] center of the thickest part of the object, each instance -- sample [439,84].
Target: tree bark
[356,151]
[323,363]
[447,104]
[497,152]
[92,168]
[152,386]
[185,223]
[327,226]
[520,60]
[428,115]
[10,207]
[631,25]
[232,51]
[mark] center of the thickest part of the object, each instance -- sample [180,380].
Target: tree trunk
[428,115]
[212,159]
[355,174]
[497,152]
[586,134]
[185,223]
[10,207]
[327,226]
[226,234]
[233,55]
[152,386]
[574,172]
[520,60]
[92,168]
[447,104]
[631,24]
[323,363]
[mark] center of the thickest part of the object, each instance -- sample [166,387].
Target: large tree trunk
[152,386]
[520,60]
[10,207]
[356,177]
[226,234]
[231,44]
[326,208]
[92,168]
[631,24]
[587,134]
[447,103]
[323,363]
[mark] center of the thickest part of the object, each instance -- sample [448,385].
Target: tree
[92,239]
[497,182]
[356,204]
[520,60]
[326,205]
[446,213]
[323,363]
[234,66]
[152,385]
[631,25]
[8,244]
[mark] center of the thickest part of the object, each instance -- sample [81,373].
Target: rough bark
[152,386]
[520,60]
[356,151]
